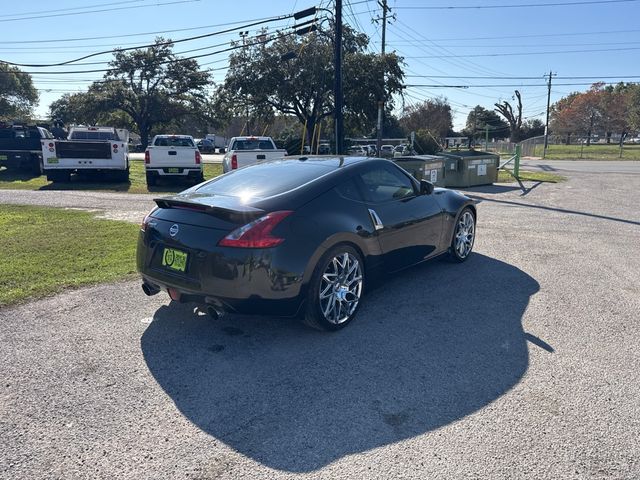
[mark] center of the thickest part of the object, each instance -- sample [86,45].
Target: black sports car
[299,236]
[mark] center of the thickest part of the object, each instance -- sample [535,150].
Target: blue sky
[441,46]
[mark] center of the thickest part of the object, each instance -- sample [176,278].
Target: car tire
[337,283]
[151,180]
[464,235]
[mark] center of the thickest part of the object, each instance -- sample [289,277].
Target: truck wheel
[151,180]
[123,176]
[59,177]
[37,167]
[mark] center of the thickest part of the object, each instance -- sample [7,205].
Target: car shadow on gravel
[433,345]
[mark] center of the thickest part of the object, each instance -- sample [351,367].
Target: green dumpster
[424,167]
[467,168]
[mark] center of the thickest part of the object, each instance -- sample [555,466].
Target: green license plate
[52,160]
[3,157]
[174,259]
[173,170]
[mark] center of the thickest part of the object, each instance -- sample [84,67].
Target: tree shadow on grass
[436,344]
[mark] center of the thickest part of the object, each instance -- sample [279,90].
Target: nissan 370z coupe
[299,236]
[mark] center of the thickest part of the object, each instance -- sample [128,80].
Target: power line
[513,54]
[161,32]
[235,47]
[96,11]
[169,42]
[520,5]
[516,85]
[57,10]
[523,78]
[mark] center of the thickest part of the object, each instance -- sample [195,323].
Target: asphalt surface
[583,166]
[520,363]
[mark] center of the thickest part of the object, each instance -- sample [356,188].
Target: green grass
[13,179]
[47,250]
[593,152]
[506,176]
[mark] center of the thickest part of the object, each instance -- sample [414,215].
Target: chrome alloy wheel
[340,288]
[465,233]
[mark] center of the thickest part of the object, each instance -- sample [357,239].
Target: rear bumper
[248,281]
[166,171]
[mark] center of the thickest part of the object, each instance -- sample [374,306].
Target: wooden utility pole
[385,9]
[546,125]
[337,93]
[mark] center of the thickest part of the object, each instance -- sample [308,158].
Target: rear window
[265,180]
[174,142]
[252,145]
[94,136]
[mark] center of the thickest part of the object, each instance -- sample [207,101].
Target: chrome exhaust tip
[214,313]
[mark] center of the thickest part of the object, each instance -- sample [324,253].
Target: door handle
[377,223]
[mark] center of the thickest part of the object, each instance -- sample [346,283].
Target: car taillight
[234,162]
[198,157]
[147,157]
[256,234]
[147,219]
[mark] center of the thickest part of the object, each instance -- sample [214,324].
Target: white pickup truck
[173,157]
[87,149]
[245,151]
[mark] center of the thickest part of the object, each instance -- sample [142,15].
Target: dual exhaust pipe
[213,312]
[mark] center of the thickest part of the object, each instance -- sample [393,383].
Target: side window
[384,183]
[349,190]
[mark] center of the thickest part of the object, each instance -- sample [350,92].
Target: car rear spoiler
[225,207]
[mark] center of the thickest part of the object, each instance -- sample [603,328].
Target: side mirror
[426,188]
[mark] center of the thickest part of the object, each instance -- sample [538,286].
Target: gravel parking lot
[520,363]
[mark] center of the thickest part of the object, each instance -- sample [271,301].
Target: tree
[302,86]
[153,86]
[433,115]
[613,106]
[18,96]
[586,108]
[479,118]
[563,118]
[82,108]
[514,119]
[532,128]
[633,107]
[425,143]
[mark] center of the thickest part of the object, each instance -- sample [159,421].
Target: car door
[408,224]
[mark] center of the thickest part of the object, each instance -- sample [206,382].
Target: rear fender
[372,260]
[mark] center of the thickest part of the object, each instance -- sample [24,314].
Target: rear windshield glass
[252,145]
[174,142]
[94,136]
[265,180]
